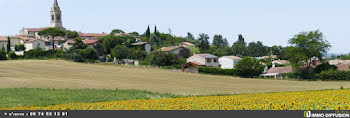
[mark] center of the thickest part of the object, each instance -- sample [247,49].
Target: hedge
[32,54]
[334,75]
[217,71]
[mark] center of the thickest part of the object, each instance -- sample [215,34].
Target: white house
[228,62]
[200,60]
[34,44]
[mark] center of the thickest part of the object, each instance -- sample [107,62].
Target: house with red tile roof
[198,60]
[277,72]
[344,67]
[180,51]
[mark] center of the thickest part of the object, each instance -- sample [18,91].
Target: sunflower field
[308,100]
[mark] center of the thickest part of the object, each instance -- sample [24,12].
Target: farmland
[64,74]
[25,97]
[309,100]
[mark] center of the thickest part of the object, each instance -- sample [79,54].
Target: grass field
[17,97]
[65,74]
[306,100]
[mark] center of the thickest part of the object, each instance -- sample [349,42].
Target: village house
[277,72]
[180,51]
[92,35]
[267,57]
[281,62]
[92,43]
[341,64]
[32,43]
[228,62]
[68,44]
[144,45]
[14,41]
[198,60]
[338,61]
[186,44]
[344,67]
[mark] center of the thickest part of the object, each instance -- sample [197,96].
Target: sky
[273,22]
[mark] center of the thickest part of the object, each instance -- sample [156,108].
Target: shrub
[216,71]
[161,59]
[20,47]
[31,54]
[324,67]
[306,73]
[88,54]
[72,56]
[249,67]
[12,55]
[334,75]
[3,54]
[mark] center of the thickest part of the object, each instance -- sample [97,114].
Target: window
[208,60]
[215,60]
[52,17]
[58,17]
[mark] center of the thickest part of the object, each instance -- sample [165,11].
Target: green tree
[161,59]
[239,48]
[194,50]
[190,38]
[148,32]
[204,43]
[279,51]
[219,41]
[88,53]
[8,45]
[72,34]
[155,40]
[117,31]
[109,42]
[249,67]
[256,49]
[223,51]
[324,67]
[156,32]
[121,52]
[138,54]
[306,46]
[78,44]
[134,33]
[52,34]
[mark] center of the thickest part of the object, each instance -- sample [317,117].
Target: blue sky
[273,22]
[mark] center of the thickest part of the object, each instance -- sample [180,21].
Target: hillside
[65,74]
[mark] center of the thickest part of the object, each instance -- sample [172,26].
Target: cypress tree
[156,32]
[8,44]
[148,32]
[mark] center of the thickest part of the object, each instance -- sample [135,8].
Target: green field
[65,74]
[18,97]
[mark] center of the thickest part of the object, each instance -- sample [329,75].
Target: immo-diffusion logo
[309,114]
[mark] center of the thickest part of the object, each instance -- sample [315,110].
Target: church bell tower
[56,16]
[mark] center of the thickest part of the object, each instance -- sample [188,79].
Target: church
[31,40]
